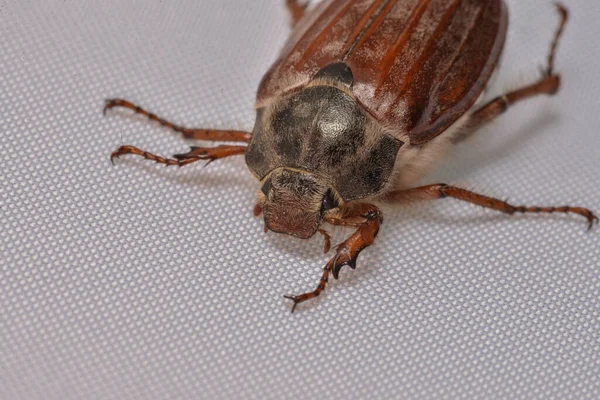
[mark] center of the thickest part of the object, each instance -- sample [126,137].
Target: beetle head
[295,201]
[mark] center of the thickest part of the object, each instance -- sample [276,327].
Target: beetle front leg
[441,191]
[213,135]
[549,85]
[367,218]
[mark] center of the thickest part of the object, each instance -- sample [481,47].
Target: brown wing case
[418,65]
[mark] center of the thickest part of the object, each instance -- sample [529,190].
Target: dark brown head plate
[293,202]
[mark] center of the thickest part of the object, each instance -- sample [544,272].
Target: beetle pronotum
[365,94]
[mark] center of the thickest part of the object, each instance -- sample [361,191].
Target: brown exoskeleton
[359,106]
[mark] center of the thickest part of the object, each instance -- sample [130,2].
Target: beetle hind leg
[564,17]
[548,85]
[187,133]
[441,191]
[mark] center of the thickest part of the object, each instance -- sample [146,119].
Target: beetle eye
[328,201]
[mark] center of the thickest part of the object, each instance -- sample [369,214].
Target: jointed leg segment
[548,84]
[347,253]
[440,191]
[188,133]
[196,154]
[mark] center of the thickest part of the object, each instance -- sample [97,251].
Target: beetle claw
[592,220]
[108,104]
[338,267]
[115,155]
[336,270]
[295,299]
[352,263]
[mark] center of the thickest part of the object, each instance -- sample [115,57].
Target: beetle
[363,100]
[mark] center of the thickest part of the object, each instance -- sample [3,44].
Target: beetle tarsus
[196,154]
[441,190]
[347,253]
[107,105]
[124,150]
[295,299]
[549,84]
[592,218]
[564,17]
[211,153]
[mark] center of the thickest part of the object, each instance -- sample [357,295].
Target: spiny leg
[347,253]
[196,154]
[296,10]
[548,84]
[188,133]
[211,153]
[440,191]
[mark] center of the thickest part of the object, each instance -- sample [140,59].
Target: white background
[140,282]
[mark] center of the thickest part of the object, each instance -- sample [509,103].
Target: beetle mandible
[365,95]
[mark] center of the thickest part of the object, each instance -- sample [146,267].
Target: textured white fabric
[140,282]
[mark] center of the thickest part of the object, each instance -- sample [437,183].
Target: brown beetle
[362,101]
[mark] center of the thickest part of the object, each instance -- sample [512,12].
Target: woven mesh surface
[140,282]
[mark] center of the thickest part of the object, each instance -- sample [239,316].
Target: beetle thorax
[322,130]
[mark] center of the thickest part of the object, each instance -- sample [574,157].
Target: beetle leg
[549,85]
[188,133]
[327,239]
[440,191]
[297,10]
[196,154]
[347,252]
[564,17]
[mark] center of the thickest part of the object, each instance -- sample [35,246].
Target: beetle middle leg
[367,219]
[296,10]
[209,154]
[548,84]
[188,133]
[441,191]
